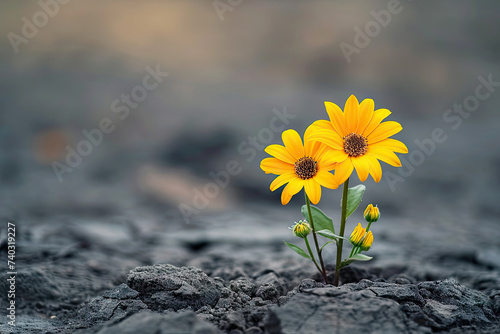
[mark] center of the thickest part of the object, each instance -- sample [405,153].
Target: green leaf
[321,249]
[298,250]
[354,196]
[328,234]
[357,257]
[320,220]
[361,257]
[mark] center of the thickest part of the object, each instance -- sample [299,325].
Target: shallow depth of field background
[225,78]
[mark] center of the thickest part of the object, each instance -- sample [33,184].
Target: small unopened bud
[372,214]
[367,242]
[301,229]
[357,235]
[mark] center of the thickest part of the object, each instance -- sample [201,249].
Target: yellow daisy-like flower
[357,235]
[300,166]
[358,138]
[367,242]
[372,213]
[301,229]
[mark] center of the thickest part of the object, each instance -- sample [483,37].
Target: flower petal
[328,166]
[392,144]
[319,124]
[326,179]
[362,167]
[275,166]
[351,114]
[326,161]
[330,138]
[311,146]
[384,155]
[313,190]
[319,150]
[378,116]
[332,156]
[337,119]
[343,171]
[293,143]
[281,180]
[383,131]
[365,114]
[293,187]
[281,153]
[375,168]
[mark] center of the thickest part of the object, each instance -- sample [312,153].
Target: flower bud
[357,235]
[372,214]
[301,229]
[367,241]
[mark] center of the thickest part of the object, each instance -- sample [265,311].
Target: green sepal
[354,197]
[298,250]
[354,258]
[328,234]
[320,220]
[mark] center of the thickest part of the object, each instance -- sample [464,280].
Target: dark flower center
[355,145]
[306,168]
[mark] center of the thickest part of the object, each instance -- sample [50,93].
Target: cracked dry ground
[115,275]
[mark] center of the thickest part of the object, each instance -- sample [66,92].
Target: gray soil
[117,275]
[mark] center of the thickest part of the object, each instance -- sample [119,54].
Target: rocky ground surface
[233,274]
[107,250]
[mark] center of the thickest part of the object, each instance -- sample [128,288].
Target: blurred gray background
[227,73]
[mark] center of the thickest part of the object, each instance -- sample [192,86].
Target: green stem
[342,230]
[368,227]
[311,255]
[352,251]
[357,250]
[323,270]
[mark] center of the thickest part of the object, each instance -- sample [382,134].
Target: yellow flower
[301,166]
[357,235]
[301,229]
[367,242]
[372,214]
[359,139]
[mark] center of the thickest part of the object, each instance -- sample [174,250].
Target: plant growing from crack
[355,138]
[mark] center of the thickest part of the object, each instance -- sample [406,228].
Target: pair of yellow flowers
[355,138]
